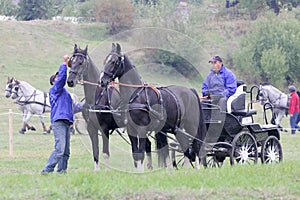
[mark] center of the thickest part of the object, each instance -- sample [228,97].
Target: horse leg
[162,150]
[142,149]
[45,131]
[183,140]
[24,112]
[26,118]
[134,147]
[149,155]
[105,147]
[138,146]
[93,133]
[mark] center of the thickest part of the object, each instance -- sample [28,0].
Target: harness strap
[178,121]
[45,96]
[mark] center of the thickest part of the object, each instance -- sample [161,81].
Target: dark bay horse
[97,98]
[172,109]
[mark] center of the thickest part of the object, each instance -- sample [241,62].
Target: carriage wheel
[213,157]
[177,156]
[271,151]
[244,149]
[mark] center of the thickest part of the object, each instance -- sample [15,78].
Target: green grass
[21,179]
[32,51]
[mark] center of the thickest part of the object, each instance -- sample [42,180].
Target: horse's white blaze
[101,75]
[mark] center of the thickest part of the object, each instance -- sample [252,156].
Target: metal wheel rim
[244,149]
[271,151]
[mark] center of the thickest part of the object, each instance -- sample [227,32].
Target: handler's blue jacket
[60,99]
[222,83]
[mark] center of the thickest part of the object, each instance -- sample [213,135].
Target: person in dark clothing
[61,117]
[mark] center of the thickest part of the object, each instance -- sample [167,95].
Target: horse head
[9,87]
[263,94]
[15,92]
[113,65]
[78,63]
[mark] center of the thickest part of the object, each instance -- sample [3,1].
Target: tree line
[269,52]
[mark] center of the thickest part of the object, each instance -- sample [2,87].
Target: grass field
[21,179]
[30,53]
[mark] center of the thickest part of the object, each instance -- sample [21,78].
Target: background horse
[103,100]
[8,91]
[173,109]
[33,102]
[278,99]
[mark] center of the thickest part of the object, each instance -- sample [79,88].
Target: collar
[222,70]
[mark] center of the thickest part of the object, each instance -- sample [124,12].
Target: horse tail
[201,132]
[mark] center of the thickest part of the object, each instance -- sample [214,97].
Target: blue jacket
[60,99]
[222,83]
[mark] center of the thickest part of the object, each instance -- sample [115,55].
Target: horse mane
[270,85]
[265,84]
[26,85]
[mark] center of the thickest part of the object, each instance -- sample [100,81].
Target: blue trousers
[61,153]
[294,122]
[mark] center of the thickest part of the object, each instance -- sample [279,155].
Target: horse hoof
[22,131]
[45,132]
[150,167]
[32,128]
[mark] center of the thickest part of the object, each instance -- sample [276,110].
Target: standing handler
[61,118]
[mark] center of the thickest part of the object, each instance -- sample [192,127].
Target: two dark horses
[172,109]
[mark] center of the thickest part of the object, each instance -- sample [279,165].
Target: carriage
[177,110]
[234,133]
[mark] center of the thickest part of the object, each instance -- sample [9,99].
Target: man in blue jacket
[61,118]
[219,84]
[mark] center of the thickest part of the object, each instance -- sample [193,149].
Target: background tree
[270,51]
[34,9]
[7,8]
[118,14]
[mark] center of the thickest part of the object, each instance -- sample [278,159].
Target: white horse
[34,102]
[8,91]
[278,99]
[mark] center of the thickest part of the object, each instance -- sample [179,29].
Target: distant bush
[118,14]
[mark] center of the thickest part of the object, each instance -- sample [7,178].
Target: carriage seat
[236,104]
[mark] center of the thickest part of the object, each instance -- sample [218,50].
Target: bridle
[9,87]
[16,91]
[118,64]
[267,97]
[72,59]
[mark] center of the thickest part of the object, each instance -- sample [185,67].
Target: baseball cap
[292,88]
[52,77]
[215,58]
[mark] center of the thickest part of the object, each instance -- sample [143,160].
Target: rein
[117,83]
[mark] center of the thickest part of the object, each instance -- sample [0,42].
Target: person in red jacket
[294,109]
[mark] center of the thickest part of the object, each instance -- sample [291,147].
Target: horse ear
[118,48]
[86,49]
[75,47]
[113,46]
